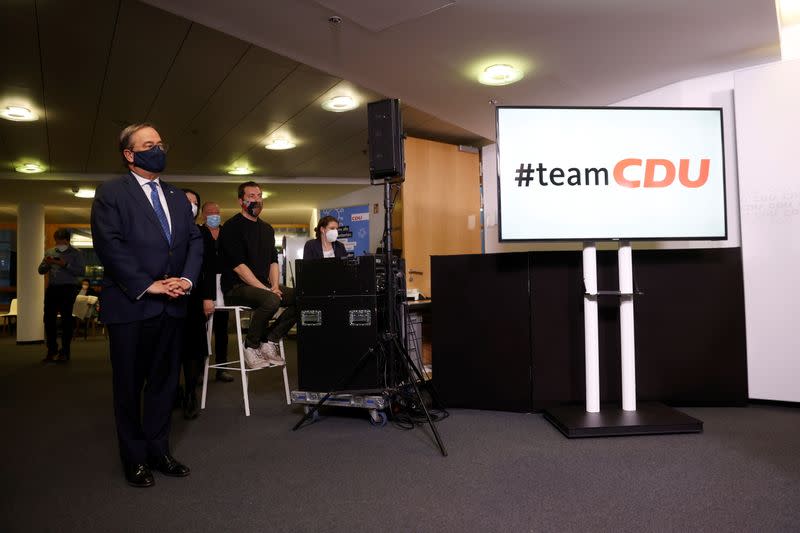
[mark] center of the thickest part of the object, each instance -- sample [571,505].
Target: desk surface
[419,305]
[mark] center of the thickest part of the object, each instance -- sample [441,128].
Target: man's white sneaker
[252,358]
[271,351]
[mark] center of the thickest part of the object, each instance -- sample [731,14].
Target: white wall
[708,91]
[760,120]
[370,195]
[768,115]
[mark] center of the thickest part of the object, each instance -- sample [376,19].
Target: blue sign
[353,227]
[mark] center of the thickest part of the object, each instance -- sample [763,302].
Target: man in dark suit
[151,250]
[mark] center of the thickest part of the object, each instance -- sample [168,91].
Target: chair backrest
[12,309]
[82,308]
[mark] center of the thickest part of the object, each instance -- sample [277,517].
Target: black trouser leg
[66,302]
[195,346]
[264,304]
[287,319]
[144,360]
[50,319]
[221,336]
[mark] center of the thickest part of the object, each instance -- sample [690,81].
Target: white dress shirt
[144,183]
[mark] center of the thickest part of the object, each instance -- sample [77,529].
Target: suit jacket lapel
[176,201]
[138,194]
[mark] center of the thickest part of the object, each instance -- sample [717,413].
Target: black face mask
[152,160]
[251,207]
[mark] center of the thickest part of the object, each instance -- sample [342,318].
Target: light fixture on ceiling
[280,144]
[265,194]
[499,74]
[240,171]
[18,113]
[338,104]
[29,168]
[83,192]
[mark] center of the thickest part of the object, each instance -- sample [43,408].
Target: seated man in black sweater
[250,278]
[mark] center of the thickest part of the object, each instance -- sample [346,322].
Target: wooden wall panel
[441,205]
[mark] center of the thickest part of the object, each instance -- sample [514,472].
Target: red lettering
[702,178]
[619,172]
[650,171]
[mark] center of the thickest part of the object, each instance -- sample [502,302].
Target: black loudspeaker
[385,127]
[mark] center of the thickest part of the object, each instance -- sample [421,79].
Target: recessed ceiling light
[84,193]
[337,104]
[29,168]
[279,144]
[240,171]
[499,75]
[18,113]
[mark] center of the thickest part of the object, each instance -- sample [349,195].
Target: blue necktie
[160,214]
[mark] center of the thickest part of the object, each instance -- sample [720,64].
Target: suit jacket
[313,250]
[134,251]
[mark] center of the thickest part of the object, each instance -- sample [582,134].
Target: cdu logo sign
[665,179]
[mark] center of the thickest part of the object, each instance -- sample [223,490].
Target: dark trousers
[221,336]
[195,345]
[59,299]
[144,360]
[264,304]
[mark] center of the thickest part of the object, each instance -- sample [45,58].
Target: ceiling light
[84,193]
[18,113]
[265,194]
[280,144]
[337,104]
[499,75]
[29,168]
[240,171]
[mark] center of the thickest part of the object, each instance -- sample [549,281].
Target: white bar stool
[232,365]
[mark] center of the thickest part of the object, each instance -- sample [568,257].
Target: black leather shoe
[168,466]
[223,375]
[138,475]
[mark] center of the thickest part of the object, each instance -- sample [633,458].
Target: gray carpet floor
[505,471]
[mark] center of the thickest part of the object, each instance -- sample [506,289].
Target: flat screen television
[610,173]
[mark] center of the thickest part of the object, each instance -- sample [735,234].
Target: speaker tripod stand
[388,345]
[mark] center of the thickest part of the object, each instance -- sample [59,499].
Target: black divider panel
[490,331]
[481,332]
[690,327]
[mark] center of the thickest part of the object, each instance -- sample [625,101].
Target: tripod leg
[337,386]
[422,403]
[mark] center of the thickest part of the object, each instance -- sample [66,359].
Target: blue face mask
[152,160]
[212,221]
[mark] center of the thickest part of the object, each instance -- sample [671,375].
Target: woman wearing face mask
[325,245]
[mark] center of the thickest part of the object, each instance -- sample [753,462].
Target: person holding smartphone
[63,265]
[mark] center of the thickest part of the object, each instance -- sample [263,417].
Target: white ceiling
[574,52]
[219,78]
